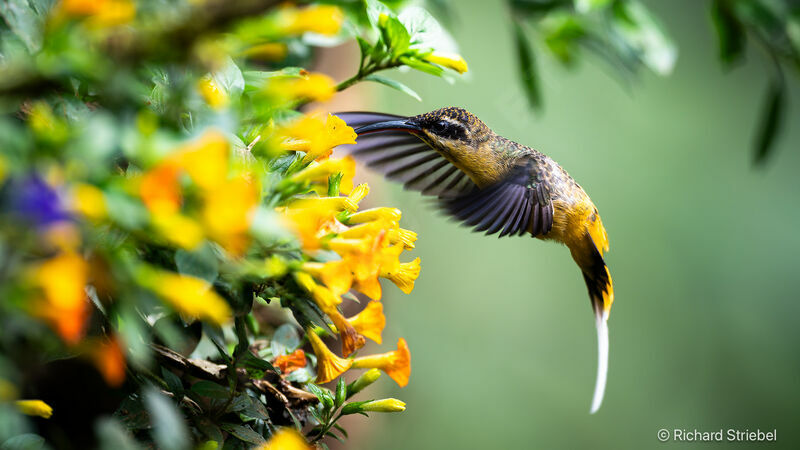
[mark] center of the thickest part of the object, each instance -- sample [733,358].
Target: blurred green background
[704,253]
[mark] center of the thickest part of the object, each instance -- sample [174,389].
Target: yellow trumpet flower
[329,366]
[34,408]
[370,321]
[396,364]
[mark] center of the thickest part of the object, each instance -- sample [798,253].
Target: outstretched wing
[403,157]
[518,204]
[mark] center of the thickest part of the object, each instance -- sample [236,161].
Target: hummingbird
[496,186]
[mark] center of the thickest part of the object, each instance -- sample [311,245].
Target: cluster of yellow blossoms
[368,242]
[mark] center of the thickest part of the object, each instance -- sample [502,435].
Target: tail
[601,292]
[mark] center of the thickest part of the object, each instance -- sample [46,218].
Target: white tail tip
[602,361]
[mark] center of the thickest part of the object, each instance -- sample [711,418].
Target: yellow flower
[329,366]
[402,236]
[100,13]
[320,172]
[228,211]
[335,274]
[317,135]
[270,51]
[448,60]
[384,405]
[308,86]
[178,229]
[285,439]
[205,159]
[34,408]
[358,194]
[62,280]
[291,362]
[188,295]
[396,364]
[321,19]
[327,302]
[308,219]
[213,94]
[89,201]
[370,321]
[381,213]
[402,275]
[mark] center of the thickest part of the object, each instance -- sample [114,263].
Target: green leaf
[113,436]
[200,263]
[771,118]
[426,32]
[584,6]
[252,362]
[169,429]
[230,78]
[210,389]
[643,32]
[730,32]
[24,21]
[322,394]
[353,408]
[527,67]
[285,340]
[217,338]
[27,441]
[393,84]
[395,35]
[341,392]
[243,433]
[174,383]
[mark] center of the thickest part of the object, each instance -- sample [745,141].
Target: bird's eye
[440,127]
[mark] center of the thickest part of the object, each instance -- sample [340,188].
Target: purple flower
[36,201]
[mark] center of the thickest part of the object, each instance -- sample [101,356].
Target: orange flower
[291,362]
[335,274]
[160,189]
[329,366]
[109,359]
[396,364]
[205,159]
[370,321]
[64,305]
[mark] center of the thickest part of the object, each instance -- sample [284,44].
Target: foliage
[627,37]
[164,202]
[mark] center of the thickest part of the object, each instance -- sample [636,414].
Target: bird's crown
[452,123]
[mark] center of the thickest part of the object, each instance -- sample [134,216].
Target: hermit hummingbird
[494,185]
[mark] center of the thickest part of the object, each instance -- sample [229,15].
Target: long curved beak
[389,125]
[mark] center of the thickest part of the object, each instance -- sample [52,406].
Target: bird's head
[450,130]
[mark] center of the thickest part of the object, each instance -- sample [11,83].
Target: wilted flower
[396,364]
[370,321]
[329,366]
[327,302]
[448,60]
[34,408]
[291,362]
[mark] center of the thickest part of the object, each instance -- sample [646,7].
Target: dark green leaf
[393,84]
[335,436]
[527,67]
[771,117]
[643,32]
[341,429]
[395,35]
[210,389]
[174,383]
[730,31]
[243,433]
[216,337]
[250,361]
[201,263]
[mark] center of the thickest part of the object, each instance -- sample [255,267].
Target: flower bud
[363,381]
